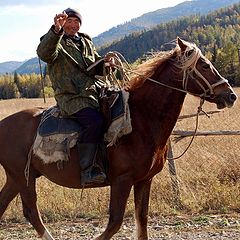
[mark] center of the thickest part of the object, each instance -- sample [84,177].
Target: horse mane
[146,69]
[180,59]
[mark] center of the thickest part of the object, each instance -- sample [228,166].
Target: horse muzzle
[225,99]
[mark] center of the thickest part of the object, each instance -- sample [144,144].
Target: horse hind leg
[119,194]
[31,212]
[141,199]
[7,194]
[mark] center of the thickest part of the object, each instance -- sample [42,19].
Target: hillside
[10,66]
[217,34]
[30,66]
[152,19]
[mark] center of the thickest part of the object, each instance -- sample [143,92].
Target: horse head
[200,77]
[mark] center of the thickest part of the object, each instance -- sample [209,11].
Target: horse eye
[188,54]
[206,66]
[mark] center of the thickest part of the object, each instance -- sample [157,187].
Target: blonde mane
[180,59]
[147,68]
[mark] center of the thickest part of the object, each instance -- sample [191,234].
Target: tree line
[216,34]
[24,86]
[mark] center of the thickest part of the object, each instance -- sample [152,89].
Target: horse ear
[181,44]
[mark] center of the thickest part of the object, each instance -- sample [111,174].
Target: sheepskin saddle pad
[57,134]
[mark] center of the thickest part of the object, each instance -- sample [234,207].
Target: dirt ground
[200,227]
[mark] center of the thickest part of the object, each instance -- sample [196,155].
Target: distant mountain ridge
[10,66]
[30,66]
[142,23]
[152,19]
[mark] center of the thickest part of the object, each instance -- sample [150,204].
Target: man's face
[71,26]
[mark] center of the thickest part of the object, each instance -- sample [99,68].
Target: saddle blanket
[56,135]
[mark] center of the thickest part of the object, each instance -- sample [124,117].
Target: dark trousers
[92,122]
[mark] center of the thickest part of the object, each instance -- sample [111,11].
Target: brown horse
[157,94]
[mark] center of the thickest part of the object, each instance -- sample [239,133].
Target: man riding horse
[68,54]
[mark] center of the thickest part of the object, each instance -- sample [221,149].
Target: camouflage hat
[73,13]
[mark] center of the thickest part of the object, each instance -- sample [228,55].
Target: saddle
[111,105]
[57,134]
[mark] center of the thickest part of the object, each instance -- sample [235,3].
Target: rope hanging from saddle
[116,77]
[120,78]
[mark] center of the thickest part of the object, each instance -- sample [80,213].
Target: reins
[195,131]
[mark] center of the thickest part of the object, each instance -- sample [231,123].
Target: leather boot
[91,172]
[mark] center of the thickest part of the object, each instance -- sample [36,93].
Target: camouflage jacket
[67,62]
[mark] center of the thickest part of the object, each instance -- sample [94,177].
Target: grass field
[208,174]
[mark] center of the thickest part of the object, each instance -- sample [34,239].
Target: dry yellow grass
[208,174]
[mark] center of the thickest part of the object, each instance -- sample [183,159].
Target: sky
[24,22]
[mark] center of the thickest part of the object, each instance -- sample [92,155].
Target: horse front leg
[119,194]
[141,199]
[7,194]
[30,209]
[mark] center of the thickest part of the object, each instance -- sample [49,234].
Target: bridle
[189,68]
[209,92]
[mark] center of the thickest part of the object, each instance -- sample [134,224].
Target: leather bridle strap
[210,88]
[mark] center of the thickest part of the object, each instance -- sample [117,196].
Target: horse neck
[155,109]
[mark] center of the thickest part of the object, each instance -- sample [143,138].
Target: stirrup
[92,175]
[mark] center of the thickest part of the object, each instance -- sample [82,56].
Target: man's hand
[109,60]
[59,21]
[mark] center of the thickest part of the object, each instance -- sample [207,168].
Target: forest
[216,34]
